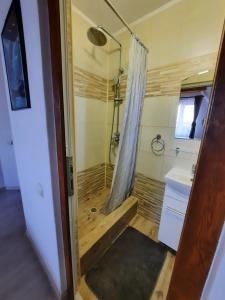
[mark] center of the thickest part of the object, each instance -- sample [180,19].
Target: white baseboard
[51,280]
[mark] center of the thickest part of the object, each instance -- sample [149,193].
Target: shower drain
[93,210]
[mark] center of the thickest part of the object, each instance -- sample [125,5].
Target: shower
[96,36]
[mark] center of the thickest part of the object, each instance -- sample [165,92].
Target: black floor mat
[129,269]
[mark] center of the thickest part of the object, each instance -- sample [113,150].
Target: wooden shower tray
[95,242]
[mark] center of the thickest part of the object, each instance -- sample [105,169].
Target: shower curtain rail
[125,23]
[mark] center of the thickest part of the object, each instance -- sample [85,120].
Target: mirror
[193,105]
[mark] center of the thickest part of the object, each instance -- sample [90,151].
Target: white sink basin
[179,180]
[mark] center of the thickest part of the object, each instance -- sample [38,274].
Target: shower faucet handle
[118,100]
[116,139]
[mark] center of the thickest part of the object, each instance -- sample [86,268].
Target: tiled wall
[90,132]
[89,85]
[90,89]
[158,117]
[94,103]
[90,181]
[149,193]
[166,80]
[150,197]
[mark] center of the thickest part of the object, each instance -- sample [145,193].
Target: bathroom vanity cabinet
[176,196]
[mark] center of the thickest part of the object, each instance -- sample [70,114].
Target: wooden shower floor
[151,230]
[92,227]
[87,221]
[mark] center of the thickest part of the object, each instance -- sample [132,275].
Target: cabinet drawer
[171,224]
[175,204]
[176,194]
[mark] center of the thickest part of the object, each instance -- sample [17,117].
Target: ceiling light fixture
[203,72]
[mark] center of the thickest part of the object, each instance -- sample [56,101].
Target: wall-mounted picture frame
[15,58]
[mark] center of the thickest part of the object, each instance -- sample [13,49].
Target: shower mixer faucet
[116,139]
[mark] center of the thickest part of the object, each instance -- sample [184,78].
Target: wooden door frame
[206,210]
[57,84]
[49,16]
[200,234]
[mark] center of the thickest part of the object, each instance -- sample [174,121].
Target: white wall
[7,155]
[30,137]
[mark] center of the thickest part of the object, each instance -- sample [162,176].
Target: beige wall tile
[148,133]
[90,110]
[157,111]
[149,165]
[90,155]
[90,132]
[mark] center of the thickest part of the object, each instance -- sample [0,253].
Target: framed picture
[15,58]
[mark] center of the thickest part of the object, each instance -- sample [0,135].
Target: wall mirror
[193,105]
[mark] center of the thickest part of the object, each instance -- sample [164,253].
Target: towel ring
[158,145]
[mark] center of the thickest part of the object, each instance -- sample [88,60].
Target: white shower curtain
[123,176]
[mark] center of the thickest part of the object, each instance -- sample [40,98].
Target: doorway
[176,291]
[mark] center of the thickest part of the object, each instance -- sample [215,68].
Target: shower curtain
[123,176]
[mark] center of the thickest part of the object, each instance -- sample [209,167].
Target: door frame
[57,85]
[50,33]
[200,234]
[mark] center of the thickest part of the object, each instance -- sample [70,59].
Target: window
[185,117]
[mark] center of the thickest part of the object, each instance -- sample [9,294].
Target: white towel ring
[158,145]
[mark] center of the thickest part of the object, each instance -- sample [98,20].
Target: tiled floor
[21,274]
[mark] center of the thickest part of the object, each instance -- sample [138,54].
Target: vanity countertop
[180,180]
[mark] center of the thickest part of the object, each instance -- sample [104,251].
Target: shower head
[96,36]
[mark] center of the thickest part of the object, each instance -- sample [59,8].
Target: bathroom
[182,51]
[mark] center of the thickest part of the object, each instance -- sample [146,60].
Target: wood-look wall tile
[166,80]
[149,193]
[89,85]
[90,181]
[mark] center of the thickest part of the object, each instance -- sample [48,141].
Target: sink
[180,180]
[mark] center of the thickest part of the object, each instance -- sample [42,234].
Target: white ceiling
[131,10]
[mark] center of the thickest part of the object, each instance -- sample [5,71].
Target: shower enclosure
[123,176]
[99,87]
[98,111]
